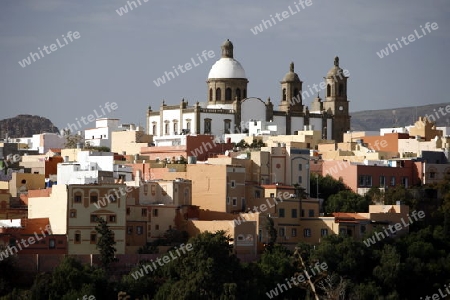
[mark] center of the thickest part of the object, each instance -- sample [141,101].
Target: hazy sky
[117,58]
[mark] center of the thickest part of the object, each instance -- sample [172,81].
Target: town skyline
[107,63]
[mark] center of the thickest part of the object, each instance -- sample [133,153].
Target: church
[228,108]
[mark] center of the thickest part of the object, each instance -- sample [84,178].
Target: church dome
[227,66]
[291,76]
[335,70]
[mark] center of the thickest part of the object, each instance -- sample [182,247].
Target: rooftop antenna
[394,117]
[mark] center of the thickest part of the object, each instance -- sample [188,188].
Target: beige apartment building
[71,211]
[215,187]
[83,216]
[129,142]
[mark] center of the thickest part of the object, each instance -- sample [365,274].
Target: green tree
[272,231]
[209,271]
[105,243]
[8,272]
[347,201]
[327,186]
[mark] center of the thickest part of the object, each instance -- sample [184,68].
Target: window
[228,94]
[245,93]
[112,197]
[363,229]
[228,200]
[281,212]
[188,126]
[234,201]
[311,213]
[130,230]
[210,95]
[227,126]
[294,213]
[342,231]
[207,125]
[73,213]
[392,180]
[303,213]
[51,243]
[238,94]
[432,175]
[154,129]
[328,90]
[233,183]
[155,212]
[93,238]
[323,232]
[365,180]
[139,230]
[299,179]
[166,128]
[382,181]
[77,237]
[307,232]
[341,89]
[77,198]
[295,92]
[284,94]
[405,182]
[112,219]
[272,195]
[294,232]
[175,127]
[93,198]
[156,227]
[218,94]
[128,211]
[144,212]
[281,232]
[300,167]
[94,218]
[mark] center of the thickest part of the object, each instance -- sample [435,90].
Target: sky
[116,58]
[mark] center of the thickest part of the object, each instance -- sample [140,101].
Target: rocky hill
[25,126]
[374,119]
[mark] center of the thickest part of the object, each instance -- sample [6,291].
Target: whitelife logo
[187,66]
[398,226]
[411,38]
[124,9]
[265,24]
[33,56]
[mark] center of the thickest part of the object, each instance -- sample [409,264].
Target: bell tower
[291,91]
[336,102]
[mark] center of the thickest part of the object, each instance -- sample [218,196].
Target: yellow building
[83,216]
[130,141]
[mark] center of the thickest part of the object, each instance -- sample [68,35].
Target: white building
[100,136]
[92,167]
[228,108]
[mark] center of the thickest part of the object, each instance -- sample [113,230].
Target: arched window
[166,128]
[210,95]
[328,90]
[218,94]
[245,94]
[341,89]
[295,92]
[228,94]
[154,129]
[284,94]
[238,94]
